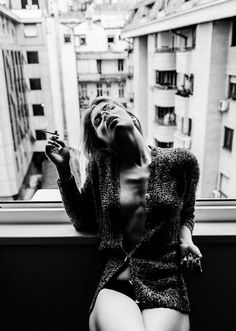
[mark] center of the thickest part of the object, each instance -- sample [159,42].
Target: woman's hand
[58,153]
[190,253]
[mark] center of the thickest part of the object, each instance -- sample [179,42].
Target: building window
[35,83]
[189,127]
[67,38]
[35,3]
[120,65]
[166,78]
[38,109]
[108,89]
[82,40]
[24,3]
[40,135]
[223,185]
[233,40]
[99,90]
[32,57]
[99,66]
[228,138]
[30,30]
[232,87]
[83,91]
[163,144]
[110,41]
[165,115]
[121,89]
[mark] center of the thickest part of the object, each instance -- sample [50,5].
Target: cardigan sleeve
[79,204]
[191,182]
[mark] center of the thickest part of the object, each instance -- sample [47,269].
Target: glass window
[40,135]
[166,78]
[38,109]
[121,89]
[99,89]
[120,65]
[24,3]
[32,57]
[67,38]
[82,40]
[35,3]
[228,138]
[99,66]
[35,83]
[232,87]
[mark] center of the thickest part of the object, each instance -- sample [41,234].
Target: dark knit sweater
[169,203]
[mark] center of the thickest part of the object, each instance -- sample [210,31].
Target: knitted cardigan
[169,203]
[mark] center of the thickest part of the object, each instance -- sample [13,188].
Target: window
[232,87]
[189,127]
[67,38]
[35,83]
[40,135]
[166,78]
[30,30]
[121,90]
[35,3]
[38,109]
[110,41]
[165,115]
[24,3]
[120,65]
[32,57]
[82,40]
[83,90]
[99,90]
[228,138]
[233,40]
[99,66]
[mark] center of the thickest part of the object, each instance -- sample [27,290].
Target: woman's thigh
[165,319]
[114,311]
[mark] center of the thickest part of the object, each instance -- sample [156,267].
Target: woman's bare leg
[114,311]
[165,319]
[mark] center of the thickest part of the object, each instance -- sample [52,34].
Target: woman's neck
[132,150]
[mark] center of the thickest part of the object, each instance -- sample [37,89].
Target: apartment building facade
[35,75]
[184,83]
[104,65]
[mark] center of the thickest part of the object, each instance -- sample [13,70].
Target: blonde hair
[90,141]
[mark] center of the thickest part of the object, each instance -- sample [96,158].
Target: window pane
[32,57]
[180,81]
[38,109]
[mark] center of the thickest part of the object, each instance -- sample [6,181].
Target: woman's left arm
[189,251]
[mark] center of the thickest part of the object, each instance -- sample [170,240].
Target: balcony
[181,106]
[182,140]
[184,61]
[164,60]
[163,96]
[49,271]
[163,133]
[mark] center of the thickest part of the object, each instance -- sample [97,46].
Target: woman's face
[106,118]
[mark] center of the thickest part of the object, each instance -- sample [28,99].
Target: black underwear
[123,286]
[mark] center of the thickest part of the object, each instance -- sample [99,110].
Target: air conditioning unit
[216,194]
[223,105]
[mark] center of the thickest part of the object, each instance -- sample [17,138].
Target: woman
[141,200]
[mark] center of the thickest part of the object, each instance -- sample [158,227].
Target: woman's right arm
[79,204]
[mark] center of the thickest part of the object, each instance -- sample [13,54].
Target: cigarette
[54,133]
